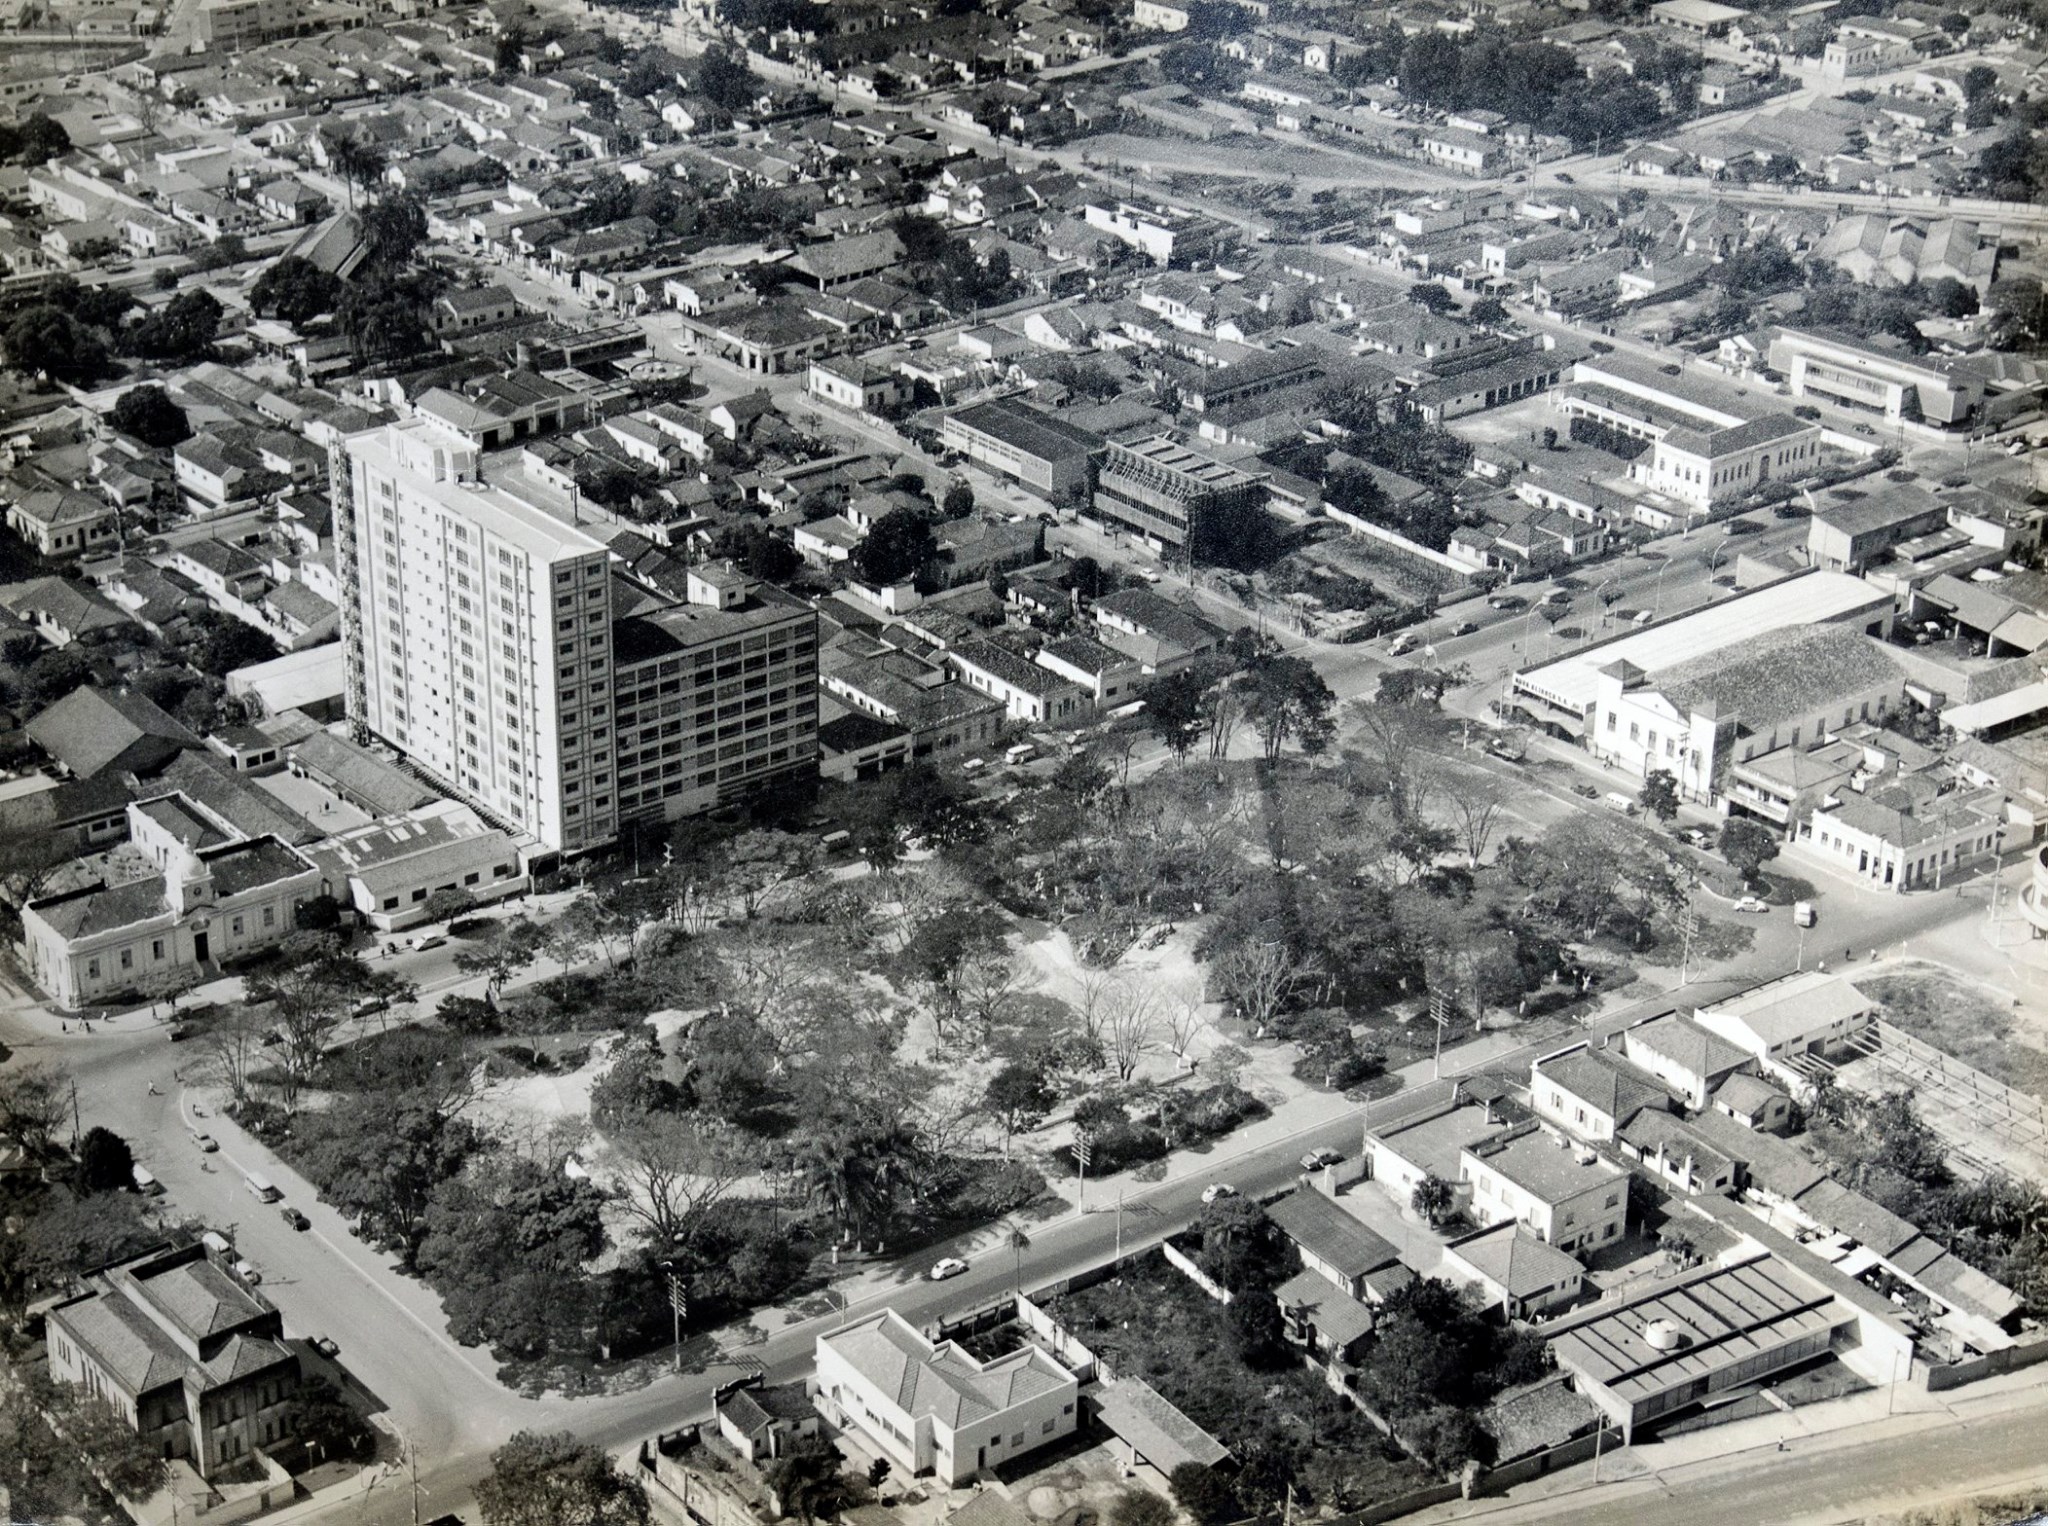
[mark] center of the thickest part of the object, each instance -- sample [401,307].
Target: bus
[261,1189]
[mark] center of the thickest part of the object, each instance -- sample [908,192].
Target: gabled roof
[1330,1234]
[91,730]
[1687,1045]
[1599,1082]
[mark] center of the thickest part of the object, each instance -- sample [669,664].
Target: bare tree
[1091,1001]
[946,1112]
[671,1170]
[989,988]
[1130,1025]
[1259,977]
[1184,1020]
[232,1047]
[1476,802]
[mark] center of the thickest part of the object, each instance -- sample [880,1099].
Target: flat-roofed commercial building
[716,697]
[1855,375]
[1046,454]
[1673,1344]
[1174,496]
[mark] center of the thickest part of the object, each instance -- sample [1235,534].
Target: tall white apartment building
[478,632]
[513,659]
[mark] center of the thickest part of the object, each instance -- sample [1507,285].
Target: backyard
[1282,1423]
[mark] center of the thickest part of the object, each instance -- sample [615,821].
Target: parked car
[208,1145]
[1464,628]
[1216,1190]
[430,940]
[1586,791]
[1401,645]
[326,1346]
[1753,904]
[950,1266]
[1320,1157]
[1564,178]
[1803,914]
[1865,429]
[246,1270]
[293,1217]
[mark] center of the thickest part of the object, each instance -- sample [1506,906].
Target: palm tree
[1020,1242]
[1431,1198]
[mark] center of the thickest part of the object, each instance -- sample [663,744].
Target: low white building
[1566,1194]
[388,870]
[216,896]
[1787,1023]
[931,1408]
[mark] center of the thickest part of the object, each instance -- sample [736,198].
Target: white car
[1216,1190]
[1752,903]
[951,1266]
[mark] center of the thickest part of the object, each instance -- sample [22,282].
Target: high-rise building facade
[479,633]
[513,659]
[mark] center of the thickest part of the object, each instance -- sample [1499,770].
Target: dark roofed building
[192,1359]
[1332,1243]
[93,731]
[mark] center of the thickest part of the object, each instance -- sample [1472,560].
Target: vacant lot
[1966,1021]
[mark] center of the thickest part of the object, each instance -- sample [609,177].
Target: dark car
[293,1217]
[1564,178]
[1508,601]
[1463,628]
[1671,370]
[1585,791]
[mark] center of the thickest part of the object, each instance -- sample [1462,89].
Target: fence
[1065,1346]
[1990,1365]
[1194,1274]
[1436,560]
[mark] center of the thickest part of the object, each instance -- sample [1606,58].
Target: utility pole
[1082,1150]
[1688,925]
[1440,1015]
[678,1308]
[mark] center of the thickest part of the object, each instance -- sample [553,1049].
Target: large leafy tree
[105,1163]
[897,548]
[181,330]
[46,338]
[295,289]
[557,1480]
[148,414]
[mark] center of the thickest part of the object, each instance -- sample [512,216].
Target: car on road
[1586,791]
[1508,601]
[293,1217]
[1216,1190]
[1865,429]
[1803,914]
[325,1345]
[950,1266]
[246,1270]
[1401,645]
[1753,904]
[431,940]
[208,1145]
[1699,837]
[1465,628]
[1319,1157]
[1564,178]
